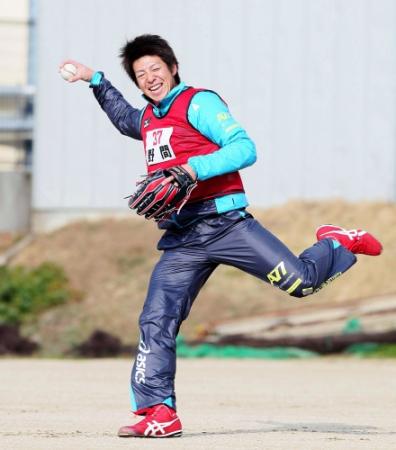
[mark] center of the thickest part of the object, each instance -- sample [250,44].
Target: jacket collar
[163,106]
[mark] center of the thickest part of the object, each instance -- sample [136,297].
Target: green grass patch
[371,350]
[25,293]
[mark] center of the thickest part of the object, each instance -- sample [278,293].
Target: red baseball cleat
[356,241]
[160,421]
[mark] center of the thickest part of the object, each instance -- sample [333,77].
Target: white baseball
[68,70]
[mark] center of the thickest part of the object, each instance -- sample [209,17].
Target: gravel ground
[313,404]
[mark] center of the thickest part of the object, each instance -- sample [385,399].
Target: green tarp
[232,351]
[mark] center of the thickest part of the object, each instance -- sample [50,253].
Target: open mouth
[156,87]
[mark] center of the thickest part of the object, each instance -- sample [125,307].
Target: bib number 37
[158,147]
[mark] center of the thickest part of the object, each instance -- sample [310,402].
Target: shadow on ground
[326,428]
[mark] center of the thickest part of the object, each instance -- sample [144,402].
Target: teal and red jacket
[215,145]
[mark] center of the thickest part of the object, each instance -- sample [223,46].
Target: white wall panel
[313,82]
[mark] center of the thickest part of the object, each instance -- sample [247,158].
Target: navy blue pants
[190,254]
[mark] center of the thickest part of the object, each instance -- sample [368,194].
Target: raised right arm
[123,116]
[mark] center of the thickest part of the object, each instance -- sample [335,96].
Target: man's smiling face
[153,77]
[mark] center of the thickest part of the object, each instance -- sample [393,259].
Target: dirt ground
[224,404]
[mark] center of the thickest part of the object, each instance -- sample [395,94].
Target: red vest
[171,140]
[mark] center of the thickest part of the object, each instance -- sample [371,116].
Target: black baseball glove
[158,198]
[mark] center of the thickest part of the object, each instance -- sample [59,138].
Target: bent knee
[302,290]
[290,279]
[296,287]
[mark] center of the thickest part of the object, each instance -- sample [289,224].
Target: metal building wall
[313,82]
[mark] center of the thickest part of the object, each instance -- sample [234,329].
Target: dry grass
[7,240]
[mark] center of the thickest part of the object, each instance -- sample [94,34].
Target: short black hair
[148,44]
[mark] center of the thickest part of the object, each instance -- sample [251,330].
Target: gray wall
[15,193]
[313,82]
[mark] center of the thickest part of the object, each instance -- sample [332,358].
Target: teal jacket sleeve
[210,116]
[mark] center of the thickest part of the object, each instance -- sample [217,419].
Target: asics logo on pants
[140,372]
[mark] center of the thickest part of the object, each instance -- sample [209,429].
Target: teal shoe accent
[231,202]
[336,244]
[168,402]
[132,399]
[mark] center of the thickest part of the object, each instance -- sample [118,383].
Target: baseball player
[194,151]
